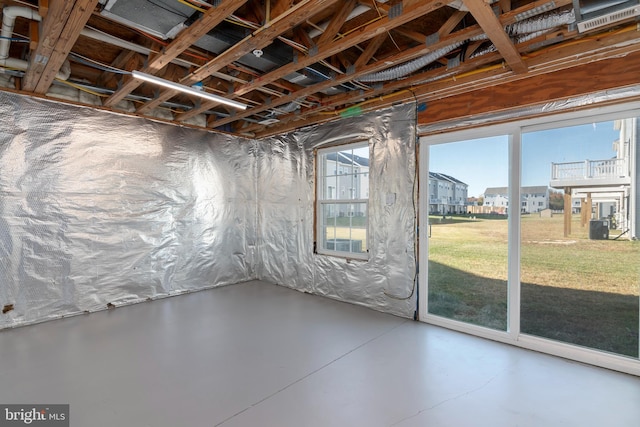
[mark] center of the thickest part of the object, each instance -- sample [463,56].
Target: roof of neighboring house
[348,159]
[445,177]
[504,191]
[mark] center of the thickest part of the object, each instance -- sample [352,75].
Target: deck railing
[589,169]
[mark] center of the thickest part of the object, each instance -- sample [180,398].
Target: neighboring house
[532,199]
[496,199]
[347,178]
[447,195]
[608,187]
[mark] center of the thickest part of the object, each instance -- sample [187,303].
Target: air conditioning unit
[593,14]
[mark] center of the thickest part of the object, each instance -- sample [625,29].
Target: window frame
[321,202]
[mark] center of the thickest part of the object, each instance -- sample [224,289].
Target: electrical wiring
[12,39]
[95,64]
[192,6]
[83,89]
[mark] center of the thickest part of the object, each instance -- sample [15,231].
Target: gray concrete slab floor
[256,354]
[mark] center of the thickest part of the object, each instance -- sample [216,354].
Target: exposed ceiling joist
[61,28]
[182,42]
[381,26]
[487,19]
[256,40]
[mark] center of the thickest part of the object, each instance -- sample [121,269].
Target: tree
[556,200]
[480,201]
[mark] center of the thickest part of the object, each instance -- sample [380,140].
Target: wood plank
[278,7]
[209,20]
[370,50]
[337,21]
[39,79]
[569,82]
[52,27]
[43,8]
[451,23]
[381,26]
[257,40]
[34,35]
[483,13]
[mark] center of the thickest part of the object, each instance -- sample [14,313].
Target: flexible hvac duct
[9,15]
[532,25]
[409,67]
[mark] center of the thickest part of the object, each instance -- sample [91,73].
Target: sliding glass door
[468,211]
[532,236]
[580,271]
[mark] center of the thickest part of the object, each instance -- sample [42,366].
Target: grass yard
[574,289]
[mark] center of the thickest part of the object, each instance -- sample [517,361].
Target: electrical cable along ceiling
[287,64]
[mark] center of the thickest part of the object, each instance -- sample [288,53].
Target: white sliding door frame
[513,334]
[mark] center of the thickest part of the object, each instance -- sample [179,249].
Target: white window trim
[513,335]
[320,202]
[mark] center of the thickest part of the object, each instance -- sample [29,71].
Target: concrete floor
[261,355]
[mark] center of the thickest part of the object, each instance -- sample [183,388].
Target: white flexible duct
[409,67]
[533,25]
[9,15]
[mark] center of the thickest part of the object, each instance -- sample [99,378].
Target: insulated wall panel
[99,209]
[286,185]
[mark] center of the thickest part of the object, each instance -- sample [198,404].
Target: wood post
[567,211]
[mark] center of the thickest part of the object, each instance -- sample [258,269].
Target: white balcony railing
[589,169]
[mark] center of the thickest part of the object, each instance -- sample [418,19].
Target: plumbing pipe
[9,15]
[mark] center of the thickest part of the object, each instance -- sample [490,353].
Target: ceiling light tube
[188,90]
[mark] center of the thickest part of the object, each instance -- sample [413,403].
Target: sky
[483,163]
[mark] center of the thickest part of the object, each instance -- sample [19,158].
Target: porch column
[589,204]
[567,211]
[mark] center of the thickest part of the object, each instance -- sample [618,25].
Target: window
[342,218]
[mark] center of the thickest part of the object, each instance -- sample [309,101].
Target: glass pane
[468,207]
[345,227]
[329,188]
[580,262]
[328,221]
[358,221]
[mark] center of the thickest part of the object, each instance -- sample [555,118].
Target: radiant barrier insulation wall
[287,190]
[100,210]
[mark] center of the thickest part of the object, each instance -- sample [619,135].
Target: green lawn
[574,289]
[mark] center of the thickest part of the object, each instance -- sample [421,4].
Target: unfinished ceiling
[296,62]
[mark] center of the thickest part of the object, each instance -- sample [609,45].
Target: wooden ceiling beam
[61,29]
[370,50]
[278,7]
[257,40]
[209,20]
[554,59]
[337,21]
[451,23]
[413,35]
[408,14]
[483,13]
[505,19]
[446,85]
[537,89]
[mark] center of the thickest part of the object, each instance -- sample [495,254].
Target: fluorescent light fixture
[186,89]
